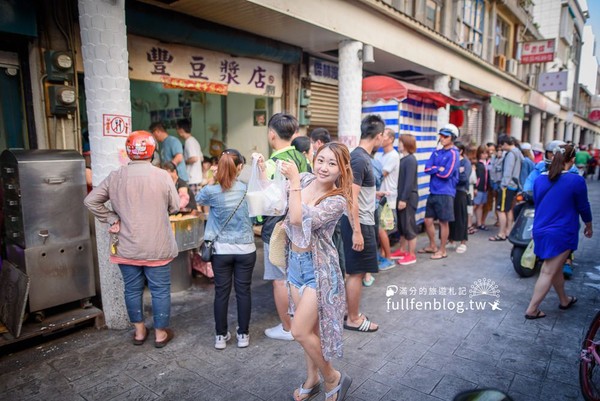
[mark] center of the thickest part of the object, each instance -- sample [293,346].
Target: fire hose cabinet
[47,226]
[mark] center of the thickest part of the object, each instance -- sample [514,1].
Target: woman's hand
[260,160]
[290,171]
[587,231]
[401,205]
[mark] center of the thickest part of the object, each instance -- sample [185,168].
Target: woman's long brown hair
[227,169]
[343,185]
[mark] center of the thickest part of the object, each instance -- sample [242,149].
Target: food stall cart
[189,231]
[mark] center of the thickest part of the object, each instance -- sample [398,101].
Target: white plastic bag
[266,197]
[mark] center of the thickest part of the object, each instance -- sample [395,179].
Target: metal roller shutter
[324,107]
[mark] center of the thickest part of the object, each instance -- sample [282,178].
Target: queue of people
[332,228]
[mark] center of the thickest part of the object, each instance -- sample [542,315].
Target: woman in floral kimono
[315,282]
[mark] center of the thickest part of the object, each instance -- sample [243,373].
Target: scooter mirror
[482,395]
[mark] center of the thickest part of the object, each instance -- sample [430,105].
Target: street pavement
[470,341]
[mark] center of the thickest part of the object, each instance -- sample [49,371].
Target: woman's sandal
[538,315]
[310,393]
[572,302]
[341,389]
[497,238]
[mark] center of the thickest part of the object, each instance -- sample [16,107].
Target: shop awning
[386,88]
[507,107]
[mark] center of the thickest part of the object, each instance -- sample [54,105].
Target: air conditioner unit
[512,66]
[531,80]
[500,62]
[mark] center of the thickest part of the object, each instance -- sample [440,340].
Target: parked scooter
[521,236]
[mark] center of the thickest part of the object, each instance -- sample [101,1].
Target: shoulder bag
[207,247]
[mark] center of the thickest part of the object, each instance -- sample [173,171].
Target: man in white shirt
[192,154]
[390,161]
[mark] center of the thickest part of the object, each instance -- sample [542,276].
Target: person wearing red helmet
[142,243]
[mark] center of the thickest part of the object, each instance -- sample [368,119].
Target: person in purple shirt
[442,166]
[560,198]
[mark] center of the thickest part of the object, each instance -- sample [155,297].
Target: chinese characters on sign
[116,125]
[553,81]
[538,52]
[323,71]
[204,70]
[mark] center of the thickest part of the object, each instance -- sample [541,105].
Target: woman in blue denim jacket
[234,250]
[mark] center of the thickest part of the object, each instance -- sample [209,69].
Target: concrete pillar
[350,92]
[104,51]
[489,122]
[441,84]
[535,127]
[516,128]
[560,130]
[576,134]
[569,132]
[549,129]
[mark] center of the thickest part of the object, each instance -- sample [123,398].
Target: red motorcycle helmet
[140,145]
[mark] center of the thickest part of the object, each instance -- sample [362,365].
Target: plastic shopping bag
[266,197]
[528,258]
[386,220]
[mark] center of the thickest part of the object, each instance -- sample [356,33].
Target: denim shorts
[480,198]
[301,272]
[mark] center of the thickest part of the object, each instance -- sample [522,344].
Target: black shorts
[440,207]
[407,222]
[366,260]
[505,199]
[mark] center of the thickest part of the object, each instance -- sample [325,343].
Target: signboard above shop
[323,71]
[553,81]
[190,68]
[541,51]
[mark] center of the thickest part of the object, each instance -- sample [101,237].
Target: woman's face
[326,166]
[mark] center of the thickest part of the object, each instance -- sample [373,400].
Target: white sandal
[311,392]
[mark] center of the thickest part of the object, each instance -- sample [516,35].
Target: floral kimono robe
[316,232]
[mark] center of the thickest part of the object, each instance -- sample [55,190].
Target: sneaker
[567,271]
[408,260]
[243,340]
[278,333]
[399,254]
[386,264]
[221,341]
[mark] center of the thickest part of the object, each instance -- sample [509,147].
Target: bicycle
[589,364]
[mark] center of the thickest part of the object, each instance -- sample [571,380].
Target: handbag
[277,245]
[207,246]
[206,250]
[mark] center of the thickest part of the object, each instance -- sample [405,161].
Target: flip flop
[572,302]
[538,315]
[438,256]
[368,283]
[309,392]
[364,327]
[462,248]
[497,238]
[483,228]
[426,250]
[341,389]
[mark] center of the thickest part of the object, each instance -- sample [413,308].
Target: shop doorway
[237,120]
[12,125]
